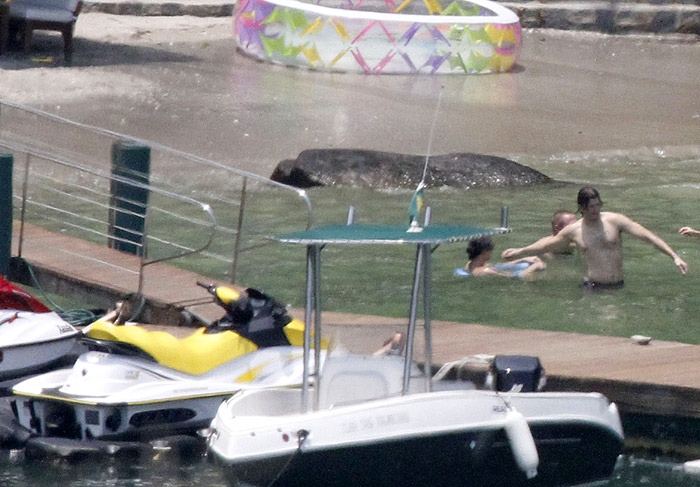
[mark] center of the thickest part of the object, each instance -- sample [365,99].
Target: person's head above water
[585,196]
[478,246]
[562,219]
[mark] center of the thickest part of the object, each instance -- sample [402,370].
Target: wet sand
[179,81]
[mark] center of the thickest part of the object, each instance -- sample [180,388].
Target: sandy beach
[179,81]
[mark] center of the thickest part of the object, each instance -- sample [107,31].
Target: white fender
[522,443]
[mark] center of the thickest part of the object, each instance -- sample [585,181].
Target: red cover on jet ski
[12,297]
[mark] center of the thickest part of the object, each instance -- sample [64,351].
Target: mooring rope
[76,317]
[302,435]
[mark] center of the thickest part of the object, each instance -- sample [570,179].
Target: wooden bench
[27,16]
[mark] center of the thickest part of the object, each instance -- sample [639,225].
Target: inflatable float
[516,268]
[387,37]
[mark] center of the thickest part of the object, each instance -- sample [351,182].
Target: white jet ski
[32,337]
[141,384]
[380,422]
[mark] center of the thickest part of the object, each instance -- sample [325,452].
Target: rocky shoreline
[610,17]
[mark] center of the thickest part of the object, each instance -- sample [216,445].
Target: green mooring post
[6,164]
[128,202]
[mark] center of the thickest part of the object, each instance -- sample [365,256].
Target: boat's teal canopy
[388,234]
[423,238]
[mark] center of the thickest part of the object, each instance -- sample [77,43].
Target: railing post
[128,202]
[239,229]
[6,164]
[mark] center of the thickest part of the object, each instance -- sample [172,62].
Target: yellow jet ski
[135,383]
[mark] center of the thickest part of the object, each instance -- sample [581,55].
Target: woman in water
[479,251]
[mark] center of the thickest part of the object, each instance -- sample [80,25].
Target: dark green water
[635,472]
[15,472]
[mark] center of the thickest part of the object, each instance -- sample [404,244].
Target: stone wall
[612,16]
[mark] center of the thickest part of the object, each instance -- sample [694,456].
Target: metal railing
[55,196]
[63,168]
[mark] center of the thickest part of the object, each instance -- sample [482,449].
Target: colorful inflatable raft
[386,37]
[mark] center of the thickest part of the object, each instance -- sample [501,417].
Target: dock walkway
[661,377]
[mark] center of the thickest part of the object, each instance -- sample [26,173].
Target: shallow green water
[658,190]
[661,190]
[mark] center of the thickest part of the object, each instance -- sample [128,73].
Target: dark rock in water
[372,169]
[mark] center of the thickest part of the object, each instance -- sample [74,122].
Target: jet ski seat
[196,354]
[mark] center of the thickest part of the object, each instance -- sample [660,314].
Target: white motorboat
[379,421]
[141,384]
[32,337]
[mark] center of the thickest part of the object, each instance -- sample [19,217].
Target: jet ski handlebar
[224,295]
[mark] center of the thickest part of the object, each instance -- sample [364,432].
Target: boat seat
[353,378]
[196,354]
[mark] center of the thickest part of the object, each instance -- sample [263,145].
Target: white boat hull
[439,438]
[30,341]
[26,359]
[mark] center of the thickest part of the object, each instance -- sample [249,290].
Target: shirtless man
[598,235]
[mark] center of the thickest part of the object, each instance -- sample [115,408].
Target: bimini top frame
[426,240]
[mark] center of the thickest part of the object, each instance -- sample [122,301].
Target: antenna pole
[432,131]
